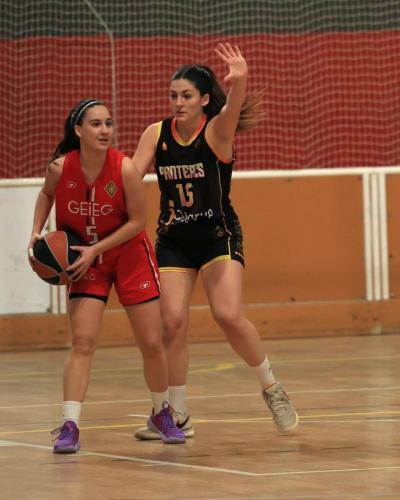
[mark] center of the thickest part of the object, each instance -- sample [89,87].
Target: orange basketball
[53,255]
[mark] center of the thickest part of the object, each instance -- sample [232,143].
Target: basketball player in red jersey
[198,229]
[99,196]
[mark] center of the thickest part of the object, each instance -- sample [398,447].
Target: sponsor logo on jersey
[111,189]
[144,285]
[89,276]
[180,217]
[174,172]
[71,185]
[89,208]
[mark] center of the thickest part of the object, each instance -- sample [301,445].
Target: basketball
[53,255]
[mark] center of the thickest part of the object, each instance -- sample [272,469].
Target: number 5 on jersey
[91,231]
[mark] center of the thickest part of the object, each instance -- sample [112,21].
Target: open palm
[233,58]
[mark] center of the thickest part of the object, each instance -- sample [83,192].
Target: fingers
[78,275]
[77,270]
[226,51]
[80,267]
[34,239]
[31,257]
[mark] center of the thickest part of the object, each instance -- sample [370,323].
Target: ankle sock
[264,374]
[72,411]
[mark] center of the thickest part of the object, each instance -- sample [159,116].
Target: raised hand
[233,58]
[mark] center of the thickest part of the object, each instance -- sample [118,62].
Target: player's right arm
[145,152]
[45,201]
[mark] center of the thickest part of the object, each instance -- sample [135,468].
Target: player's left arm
[221,130]
[135,200]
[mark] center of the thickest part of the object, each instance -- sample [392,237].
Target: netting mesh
[330,69]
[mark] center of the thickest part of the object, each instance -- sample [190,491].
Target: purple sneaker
[163,424]
[68,438]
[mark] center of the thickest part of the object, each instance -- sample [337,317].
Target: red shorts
[131,267]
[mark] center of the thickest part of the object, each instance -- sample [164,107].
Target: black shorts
[197,245]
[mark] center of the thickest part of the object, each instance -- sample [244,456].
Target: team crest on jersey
[164,146]
[111,189]
[71,184]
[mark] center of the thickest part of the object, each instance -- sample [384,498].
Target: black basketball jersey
[194,183]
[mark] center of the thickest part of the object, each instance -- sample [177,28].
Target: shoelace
[61,431]
[169,421]
[279,402]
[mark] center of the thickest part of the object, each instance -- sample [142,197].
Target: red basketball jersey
[92,211]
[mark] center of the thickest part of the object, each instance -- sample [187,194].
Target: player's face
[96,129]
[185,100]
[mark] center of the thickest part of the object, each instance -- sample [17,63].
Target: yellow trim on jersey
[176,269]
[216,259]
[159,125]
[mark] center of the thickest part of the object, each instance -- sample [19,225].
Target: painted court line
[212,396]
[303,419]
[202,467]
[220,366]
[329,471]
[133,459]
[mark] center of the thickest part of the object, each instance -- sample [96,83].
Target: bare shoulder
[55,167]
[129,173]
[152,132]
[53,176]
[146,149]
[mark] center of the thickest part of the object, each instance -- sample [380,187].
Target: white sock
[264,374]
[72,410]
[158,399]
[177,395]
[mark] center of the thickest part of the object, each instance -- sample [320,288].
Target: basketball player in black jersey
[198,229]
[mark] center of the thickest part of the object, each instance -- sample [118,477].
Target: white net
[330,69]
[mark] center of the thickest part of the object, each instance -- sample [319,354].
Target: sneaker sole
[163,437]
[290,427]
[145,434]
[67,450]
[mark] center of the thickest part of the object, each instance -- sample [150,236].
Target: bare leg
[223,284]
[85,316]
[145,320]
[146,323]
[176,292]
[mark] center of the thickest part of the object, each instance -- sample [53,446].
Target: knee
[152,347]
[172,323]
[174,329]
[82,345]
[228,321]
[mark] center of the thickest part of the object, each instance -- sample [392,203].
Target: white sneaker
[182,421]
[283,412]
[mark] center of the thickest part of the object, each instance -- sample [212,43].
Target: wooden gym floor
[347,446]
